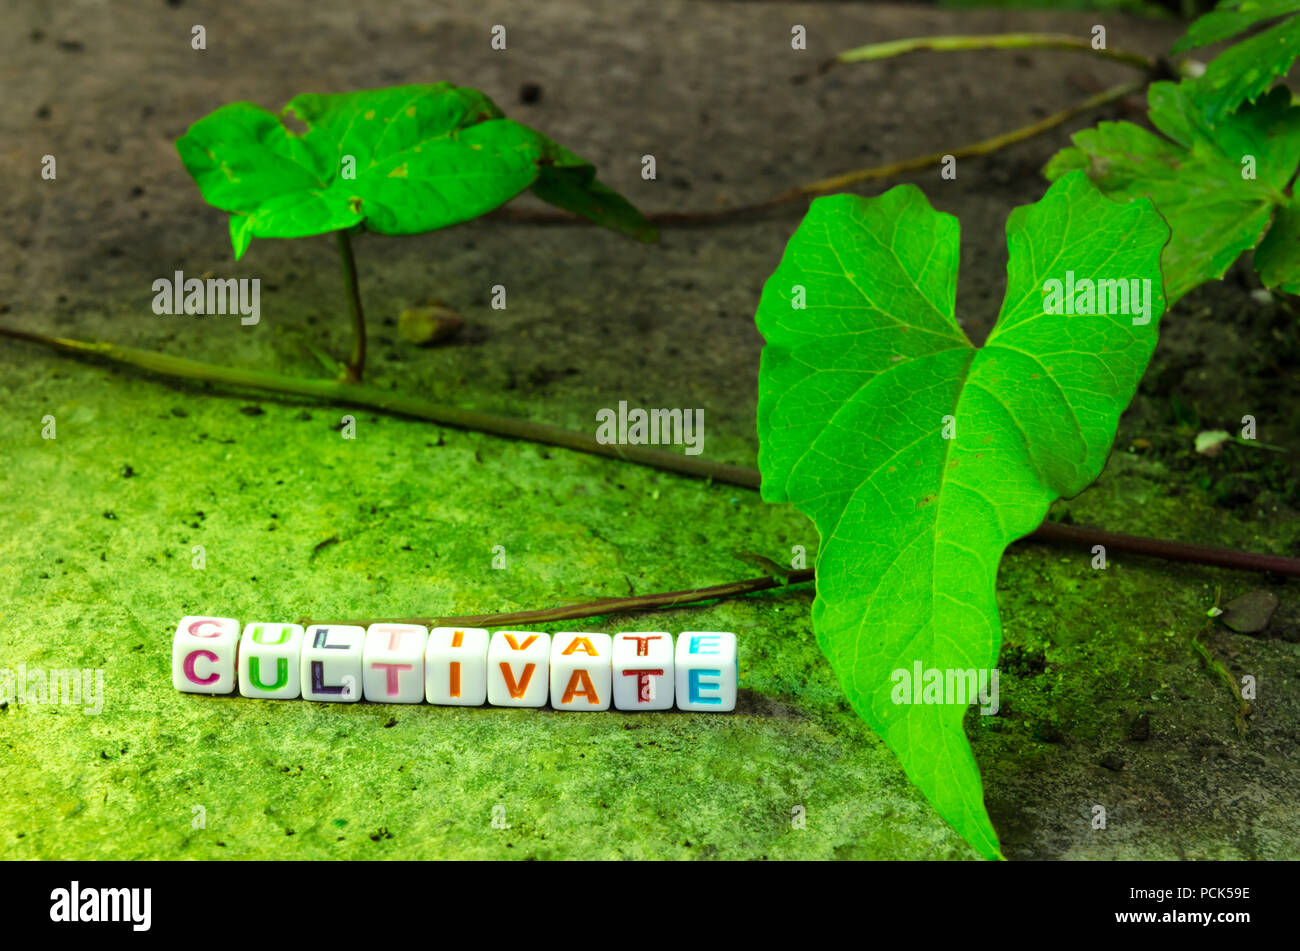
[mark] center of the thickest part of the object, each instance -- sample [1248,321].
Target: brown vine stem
[599,608]
[812,189]
[1165,549]
[1047,532]
[352,394]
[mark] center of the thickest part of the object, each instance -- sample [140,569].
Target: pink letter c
[189,666]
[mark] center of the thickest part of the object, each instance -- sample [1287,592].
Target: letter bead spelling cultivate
[406,663]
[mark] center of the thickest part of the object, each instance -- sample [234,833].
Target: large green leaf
[1196,177]
[855,391]
[402,160]
[1246,69]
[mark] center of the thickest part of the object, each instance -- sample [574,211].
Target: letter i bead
[455,666]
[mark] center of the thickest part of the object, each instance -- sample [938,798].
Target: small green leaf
[1243,71]
[241,233]
[1210,442]
[568,182]
[859,389]
[402,160]
[1198,177]
[245,162]
[1277,259]
[1231,17]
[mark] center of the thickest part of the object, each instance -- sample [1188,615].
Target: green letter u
[281,673]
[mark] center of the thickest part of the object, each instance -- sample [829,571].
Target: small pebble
[1140,729]
[430,324]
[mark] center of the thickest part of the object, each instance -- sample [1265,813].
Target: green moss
[416,513]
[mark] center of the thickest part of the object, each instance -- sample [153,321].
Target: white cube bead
[331,662]
[455,666]
[707,671]
[393,663]
[204,651]
[643,671]
[518,674]
[269,656]
[580,671]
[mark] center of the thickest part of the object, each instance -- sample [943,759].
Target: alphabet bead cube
[455,666]
[518,669]
[269,656]
[643,670]
[204,651]
[707,671]
[580,671]
[393,663]
[331,662]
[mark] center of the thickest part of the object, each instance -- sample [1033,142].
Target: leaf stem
[989,41]
[1244,708]
[385,401]
[357,364]
[1047,532]
[1168,550]
[812,189]
[599,608]
[352,394]
[968,151]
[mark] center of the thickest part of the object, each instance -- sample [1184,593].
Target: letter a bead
[580,671]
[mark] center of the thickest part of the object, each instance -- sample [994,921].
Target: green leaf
[245,162]
[425,156]
[1277,259]
[568,182]
[856,391]
[1245,70]
[1231,17]
[402,160]
[1195,176]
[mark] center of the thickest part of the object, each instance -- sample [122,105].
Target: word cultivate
[406,663]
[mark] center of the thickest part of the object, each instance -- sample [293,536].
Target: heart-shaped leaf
[1217,187]
[920,457]
[402,160]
